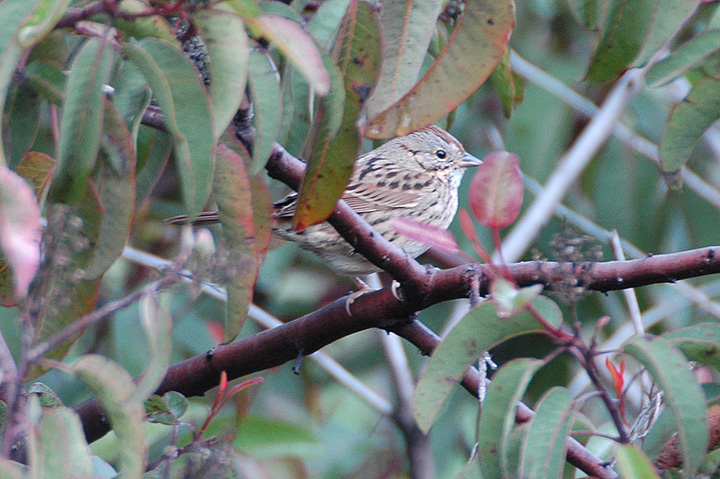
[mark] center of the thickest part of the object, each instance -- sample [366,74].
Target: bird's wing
[363,195]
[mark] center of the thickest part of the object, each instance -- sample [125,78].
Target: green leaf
[266,437]
[407,27]
[21,122]
[297,46]
[143,26]
[498,416]
[509,86]
[682,394]
[235,210]
[181,94]
[509,299]
[687,122]
[166,409]
[623,34]
[154,148]
[588,11]
[158,326]
[118,395]
[46,15]
[632,462]
[331,162]
[470,56]
[265,93]
[114,180]
[324,25]
[245,8]
[82,121]
[62,426]
[48,81]
[318,194]
[684,58]
[669,19]
[131,97]
[477,332]
[544,448]
[295,120]
[700,342]
[223,34]
[13,15]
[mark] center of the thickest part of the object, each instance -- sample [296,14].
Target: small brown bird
[416,176]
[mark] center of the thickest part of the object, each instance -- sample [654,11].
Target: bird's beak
[469,161]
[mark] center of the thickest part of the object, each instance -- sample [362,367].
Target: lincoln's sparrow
[416,176]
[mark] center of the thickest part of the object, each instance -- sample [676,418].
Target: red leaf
[433,236]
[496,192]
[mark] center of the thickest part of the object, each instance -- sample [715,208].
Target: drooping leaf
[115,389]
[13,15]
[544,448]
[623,33]
[21,123]
[48,81]
[264,84]
[82,121]
[20,230]
[682,394]
[471,54]
[687,122]
[297,46]
[224,36]
[509,86]
[61,425]
[157,324]
[407,28]
[114,180]
[684,58]
[318,195]
[154,148]
[324,25]
[498,416]
[189,117]
[496,192]
[131,97]
[332,158]
[477,332]
[588,11]
[235,210]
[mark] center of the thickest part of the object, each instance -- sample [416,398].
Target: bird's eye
[441,154]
